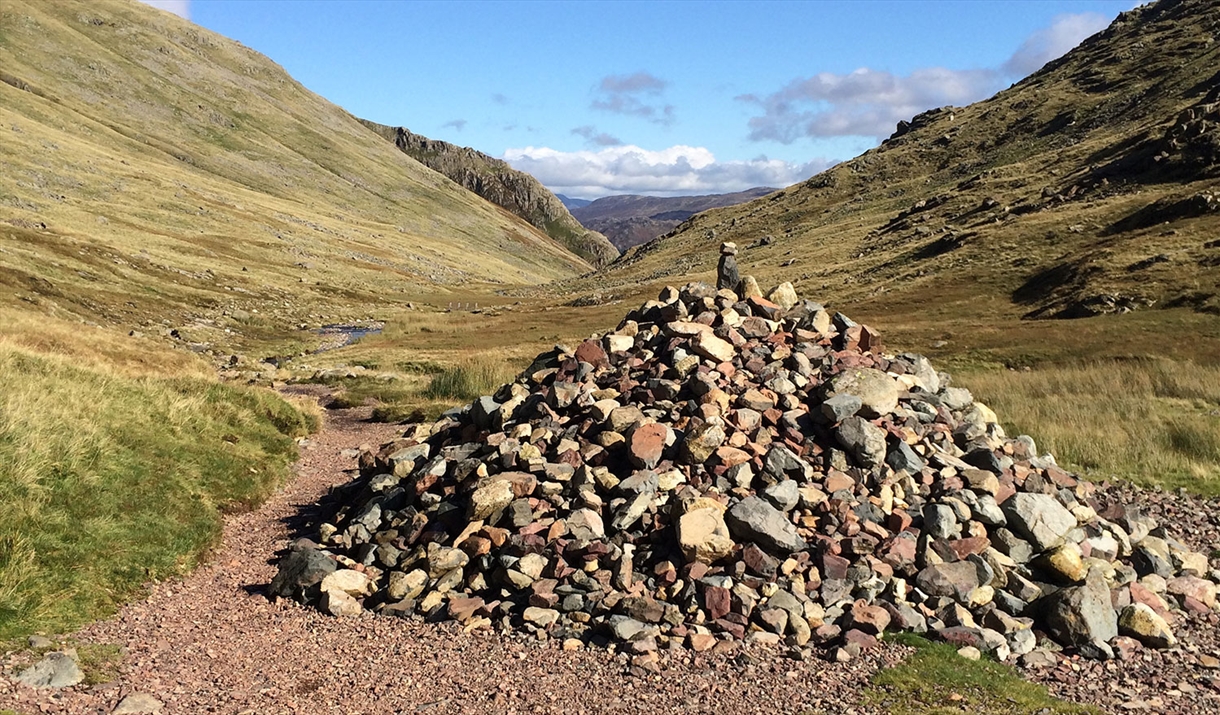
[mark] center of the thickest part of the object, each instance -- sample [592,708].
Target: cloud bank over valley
[675,171]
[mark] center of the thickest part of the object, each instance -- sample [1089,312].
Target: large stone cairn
[721,468]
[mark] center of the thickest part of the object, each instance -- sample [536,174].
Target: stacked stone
[727,467]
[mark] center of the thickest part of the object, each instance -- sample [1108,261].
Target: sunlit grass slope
[152,170]
[117,459]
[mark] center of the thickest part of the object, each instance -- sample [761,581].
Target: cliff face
[499,183]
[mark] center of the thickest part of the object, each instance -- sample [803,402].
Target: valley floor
[214,643]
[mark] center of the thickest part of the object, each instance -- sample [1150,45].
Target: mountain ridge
[573,203]
[1089,187]
[496,181]
[629,220]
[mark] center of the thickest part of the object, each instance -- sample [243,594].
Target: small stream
[339,335]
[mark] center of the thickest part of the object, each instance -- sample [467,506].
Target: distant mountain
[1089,187]
[499,183]
[572,203]
[631,220]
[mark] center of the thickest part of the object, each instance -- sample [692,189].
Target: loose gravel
[213,643]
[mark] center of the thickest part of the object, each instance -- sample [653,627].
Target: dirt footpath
[213,643]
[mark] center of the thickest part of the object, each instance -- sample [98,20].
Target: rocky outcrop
[504,186]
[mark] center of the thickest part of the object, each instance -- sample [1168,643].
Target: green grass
[108,481]
[472,377]
[100,662]
[414,389]
[935,680]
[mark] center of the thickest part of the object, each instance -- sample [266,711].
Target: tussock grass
[418,388]
[108,480]
[1154,421]
[935,680]
[473,377]
[97,348]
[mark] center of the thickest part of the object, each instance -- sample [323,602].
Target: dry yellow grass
[1155,421]
[93,347]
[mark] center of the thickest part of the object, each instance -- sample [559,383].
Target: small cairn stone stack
[726,467]
[727,274]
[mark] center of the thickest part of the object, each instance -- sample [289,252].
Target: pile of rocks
[726,466]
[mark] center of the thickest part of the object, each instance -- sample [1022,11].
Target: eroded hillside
[504,186]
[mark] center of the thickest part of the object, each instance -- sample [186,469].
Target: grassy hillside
[152,170]
[117,459]
[504,186]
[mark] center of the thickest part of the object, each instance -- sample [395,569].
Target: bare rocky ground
[213,643]
[1185,679]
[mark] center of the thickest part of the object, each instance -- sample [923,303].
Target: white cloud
[870,103]
[181,8]
[625,94]
[676,171]
[861,103]
[460,124]
[1049,43]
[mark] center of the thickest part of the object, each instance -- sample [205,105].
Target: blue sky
[664,98]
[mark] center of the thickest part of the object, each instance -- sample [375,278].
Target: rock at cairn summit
[726,466]
[727,275]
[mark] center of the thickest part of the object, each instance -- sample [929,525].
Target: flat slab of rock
[863,439]
[710,346]
[647,445]
[1039,518]
[300,570]
[138,704]
[1083,616]
[55,670]
[753,519]
[703,535]
[878,392]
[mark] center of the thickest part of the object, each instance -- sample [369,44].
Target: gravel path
[213,643]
